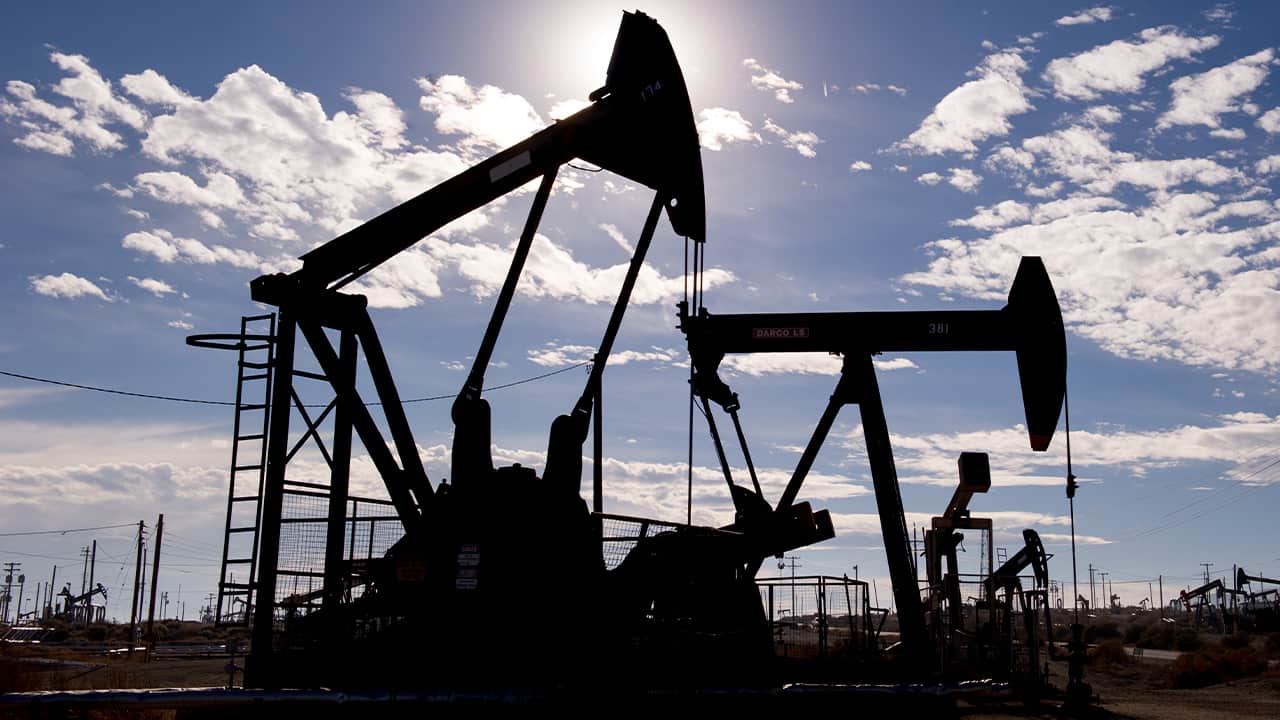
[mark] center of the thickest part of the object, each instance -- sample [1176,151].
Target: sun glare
[580,40]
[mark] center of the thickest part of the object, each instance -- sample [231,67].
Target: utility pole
[137,587]
[84,571]
[1104,589]
[9,569]
[1161,596]
[1093,597]
[155,576]
[1206,572]
[22,584]
[49,596]
[93,566]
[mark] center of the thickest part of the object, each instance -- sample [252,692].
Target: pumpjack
[941,542]
[1030,325]
[1005,592]
[1197,604]
[990,647]
[475,588]
[80,608]
[1259,610]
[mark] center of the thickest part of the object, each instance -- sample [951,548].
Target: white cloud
[868,88]
[1270,121]
[210,218]
[1202,99]
[1220,13]
[616,235]
[488,118]
[1103,115]
[181,325]
[1119,66]
[565,108]
[52,143]
[804,363]
[153,88]
[1228,134]
[552,272]
[767,80]
[964,180]
[1172,280]
[67,286]
[14,397]
[404,280]
[894,364]
[901,168]
[930,459]
[1044,191]
[294,164]
[1010,159]
[159,288]
[221,190]
[929,178]
[137,214]
[1268,165]
[553,355]
[719,126]
[859,166]
[94,105]
[163,246]
[802,141]
[976,110]
[1086,17]
[1001,214]
[1084,156]
[380,117]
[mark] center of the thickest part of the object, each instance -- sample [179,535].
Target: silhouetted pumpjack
[485,546]
[1030,325]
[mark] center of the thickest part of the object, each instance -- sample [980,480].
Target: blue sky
[857,157]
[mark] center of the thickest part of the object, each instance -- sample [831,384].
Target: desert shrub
[1109,652]
[16,676]
[96,632]
[1133,633]
[1102,631]
[1214,664]
[1158,636]
[1187,641]
[1235,641]
[1273,643]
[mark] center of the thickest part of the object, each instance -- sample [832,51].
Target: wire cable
[196,401]
[64,532]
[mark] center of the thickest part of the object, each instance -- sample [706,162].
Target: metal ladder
[248,469]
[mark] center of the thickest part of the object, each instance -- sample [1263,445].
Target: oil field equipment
[460,585]
[1030,325]
[945,605]
[443,586]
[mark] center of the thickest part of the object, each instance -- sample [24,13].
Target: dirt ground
[1127,690]
[54,669]
[1137,692]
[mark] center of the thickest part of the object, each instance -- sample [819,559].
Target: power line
[44,557]
[63,532]
[197,401]
[1243,489]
